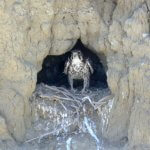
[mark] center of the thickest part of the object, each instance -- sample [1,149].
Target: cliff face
[118,31]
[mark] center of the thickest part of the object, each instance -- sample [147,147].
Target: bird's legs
[71,83]
[85,84]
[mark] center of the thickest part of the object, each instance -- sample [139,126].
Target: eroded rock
[118,31]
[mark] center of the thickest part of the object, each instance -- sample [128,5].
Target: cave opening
[52,72]
[57,111]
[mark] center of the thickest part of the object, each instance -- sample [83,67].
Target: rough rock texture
[117,30]
[4,134]
[128,75]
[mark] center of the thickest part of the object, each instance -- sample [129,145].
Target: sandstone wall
[118,31]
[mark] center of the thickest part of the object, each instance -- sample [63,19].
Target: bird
[78,68]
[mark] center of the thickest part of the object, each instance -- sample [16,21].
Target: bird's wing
[89,65]
[67,64]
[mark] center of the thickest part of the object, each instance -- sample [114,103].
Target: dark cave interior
[53,67]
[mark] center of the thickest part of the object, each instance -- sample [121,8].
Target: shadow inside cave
[53,67]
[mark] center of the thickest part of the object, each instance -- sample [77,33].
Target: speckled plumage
[78,68]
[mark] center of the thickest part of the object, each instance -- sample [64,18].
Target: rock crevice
[117,31]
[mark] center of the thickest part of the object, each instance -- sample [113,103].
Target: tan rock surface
[4,134]
[118,31]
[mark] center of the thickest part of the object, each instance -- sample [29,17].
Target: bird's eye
[79,53]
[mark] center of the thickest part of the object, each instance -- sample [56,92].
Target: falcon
[78,68]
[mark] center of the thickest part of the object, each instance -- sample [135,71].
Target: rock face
[3,130]
[117,30]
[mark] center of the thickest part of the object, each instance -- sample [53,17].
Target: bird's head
[77,54]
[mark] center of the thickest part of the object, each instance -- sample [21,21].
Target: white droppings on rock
[68,143]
